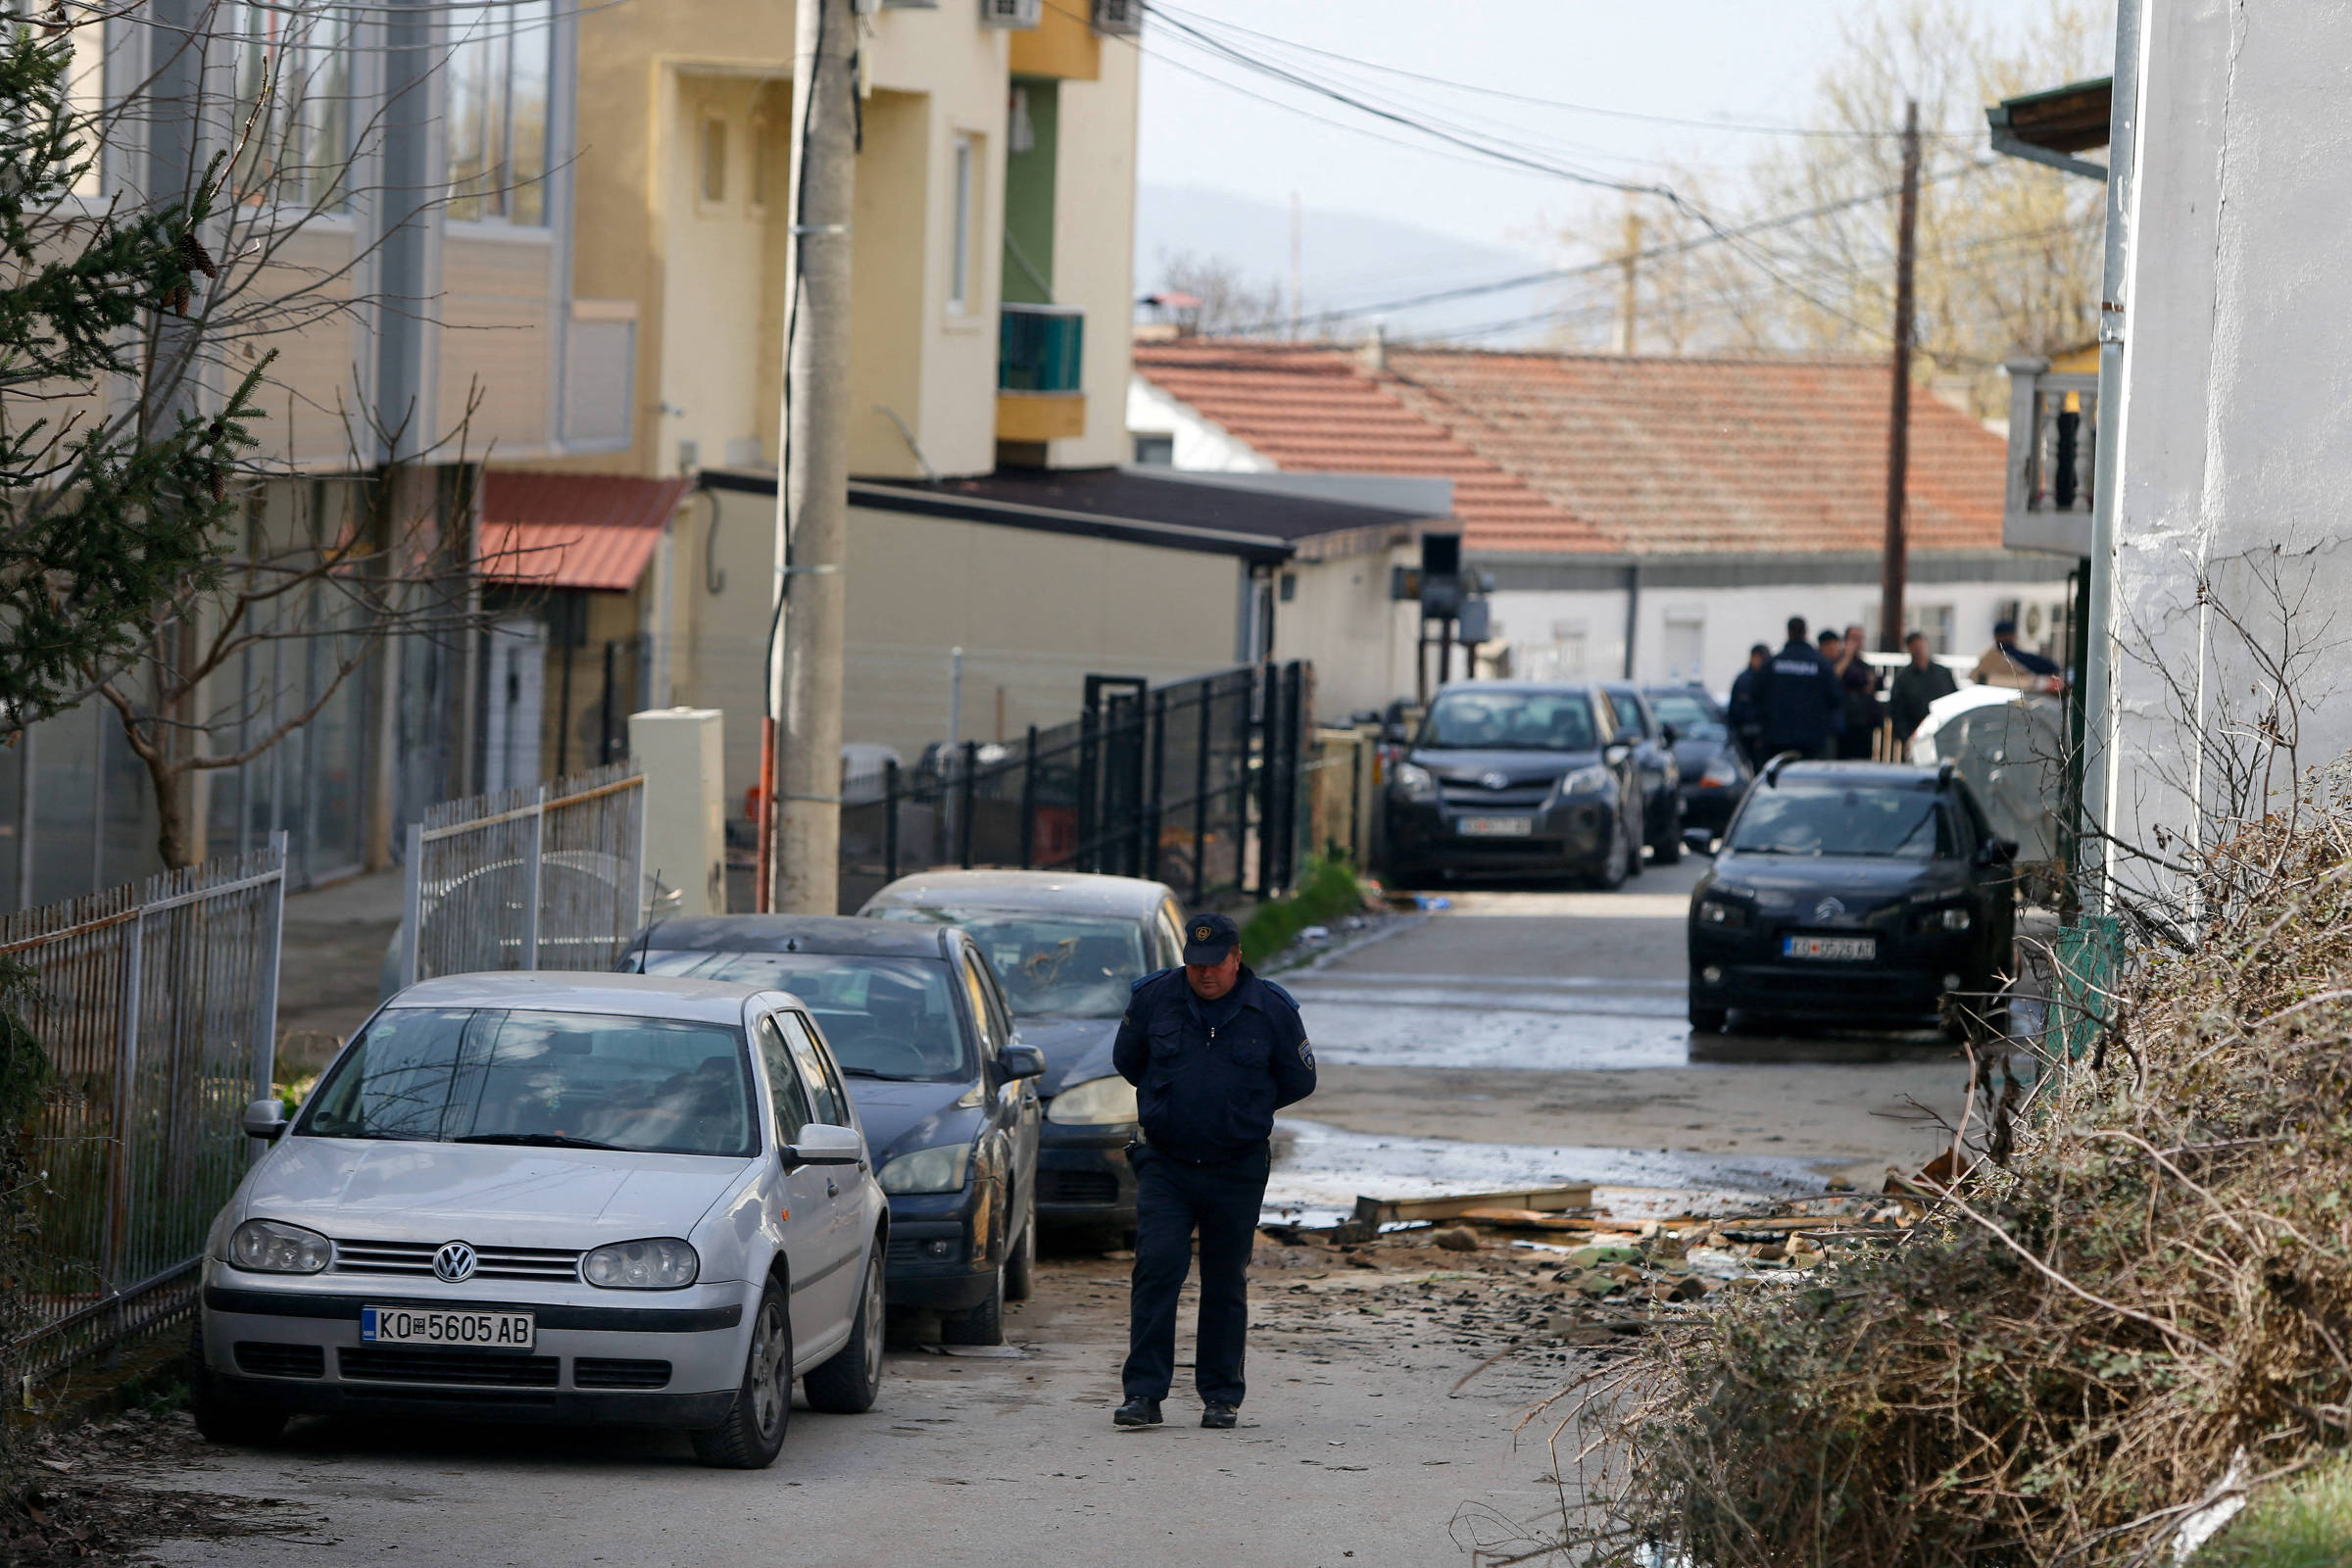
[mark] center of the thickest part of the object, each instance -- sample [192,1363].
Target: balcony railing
[2053,453]
[1041,348]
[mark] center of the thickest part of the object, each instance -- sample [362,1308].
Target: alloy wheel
[769,1376]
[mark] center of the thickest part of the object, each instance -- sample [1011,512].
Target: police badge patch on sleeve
[1306,1056]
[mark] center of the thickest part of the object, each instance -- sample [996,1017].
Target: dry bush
[2066,1360]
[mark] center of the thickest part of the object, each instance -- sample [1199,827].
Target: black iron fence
[1196,784]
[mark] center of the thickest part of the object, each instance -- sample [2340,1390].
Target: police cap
[1207,937]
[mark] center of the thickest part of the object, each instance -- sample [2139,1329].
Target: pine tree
[114,479]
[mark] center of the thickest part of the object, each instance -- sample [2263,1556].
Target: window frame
[705,165]
[502,30]
[762,1032]
[816,1055]
[964,197]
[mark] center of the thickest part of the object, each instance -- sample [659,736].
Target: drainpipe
[1632,612]
[2099,674]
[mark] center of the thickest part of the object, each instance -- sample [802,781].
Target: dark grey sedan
[1069,946]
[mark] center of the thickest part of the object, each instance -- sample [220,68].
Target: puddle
[1321,1170]
[1390,1032]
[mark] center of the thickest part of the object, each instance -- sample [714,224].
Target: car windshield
[883,1017]
[1820,816]
[1070,966]
[1693,716]
[1509,721]
[481,1075]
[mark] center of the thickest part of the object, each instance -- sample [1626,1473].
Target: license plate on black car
[1495,828]
[1847,949]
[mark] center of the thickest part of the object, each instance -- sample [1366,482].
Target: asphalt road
[1516,1038]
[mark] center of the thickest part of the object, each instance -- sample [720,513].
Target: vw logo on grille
[1829,910]
[454,1263]
[1496,781]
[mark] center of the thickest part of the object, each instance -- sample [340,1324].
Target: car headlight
[662,1263]
[1716,912]
[1414,782]
[938,1169]
[1095,1102]
[1951,917]
[1720,774]
[1583,781]
[266,1246]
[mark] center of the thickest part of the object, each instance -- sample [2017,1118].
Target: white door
[518,651]
[1686,648]
[810,1245]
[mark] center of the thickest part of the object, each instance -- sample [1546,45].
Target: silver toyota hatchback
[555,1197]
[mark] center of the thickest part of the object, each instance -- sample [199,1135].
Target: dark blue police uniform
[1208,1078]
[1803,704]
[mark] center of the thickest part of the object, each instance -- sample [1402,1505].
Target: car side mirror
[822,1145]
[1997,852]
[1023,1061]
[1698,840]
[1668,734]
[265,1120]
[1616,752]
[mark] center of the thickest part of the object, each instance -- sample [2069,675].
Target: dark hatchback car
[1657,766]
[1068,948]
[1514,778]
[1715,776]
[1862,892]
[943,1086]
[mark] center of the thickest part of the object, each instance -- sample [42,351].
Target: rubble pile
[1491,1279]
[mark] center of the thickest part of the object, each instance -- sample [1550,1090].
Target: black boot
[1137,1412]
[1220,1416]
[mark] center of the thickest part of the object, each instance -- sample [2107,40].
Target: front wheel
[752,1433]
[1612,873]
[983,1324]
[851,1376]
[1708,1020]
[1668,849]
[1020,1266]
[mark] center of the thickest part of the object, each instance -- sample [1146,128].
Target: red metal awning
[592,531]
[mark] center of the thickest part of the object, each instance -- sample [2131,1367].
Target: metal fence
[157,1005]
[544,877]
[1196,784]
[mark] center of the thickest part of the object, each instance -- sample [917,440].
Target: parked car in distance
[555,1196]
[1866,892]
[1655,764]
[1068,948]
[1514,778]
[1715,776]
[944,1087]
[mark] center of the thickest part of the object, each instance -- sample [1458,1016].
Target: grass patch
[2300,1524]
[1329,890]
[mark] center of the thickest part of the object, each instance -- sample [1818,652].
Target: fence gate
[549,876]
[157,1005]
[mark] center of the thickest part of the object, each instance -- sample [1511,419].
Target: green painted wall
[1029,197]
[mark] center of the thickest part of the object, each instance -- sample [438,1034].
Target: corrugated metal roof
[573,530]
[1604,453]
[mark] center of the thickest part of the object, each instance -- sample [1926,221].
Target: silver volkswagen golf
[555,1197]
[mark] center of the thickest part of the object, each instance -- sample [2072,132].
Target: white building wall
[2233,421]
[1200,444]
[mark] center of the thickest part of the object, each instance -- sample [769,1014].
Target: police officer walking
[1803,704]
[1214,1051]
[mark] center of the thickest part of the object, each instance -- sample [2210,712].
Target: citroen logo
[1829,910]
[1496,781]
[454,1263]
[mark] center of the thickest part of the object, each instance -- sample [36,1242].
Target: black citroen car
[944,1089]
[1069,946]
[1515,778]
[1860,891]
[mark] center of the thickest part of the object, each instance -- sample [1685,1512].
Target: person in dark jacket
[1747,706]
[1804,707]
[1213,1051]
[1916,685]
[1859,680]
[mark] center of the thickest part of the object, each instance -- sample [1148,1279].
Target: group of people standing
[1821,699]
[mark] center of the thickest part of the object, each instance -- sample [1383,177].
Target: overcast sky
[1751,62]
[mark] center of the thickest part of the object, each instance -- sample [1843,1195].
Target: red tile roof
[573,530]
[1593,453]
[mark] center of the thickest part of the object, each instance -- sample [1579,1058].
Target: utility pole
[1893,570]
[1629,301]
[1297,263]
[813,498]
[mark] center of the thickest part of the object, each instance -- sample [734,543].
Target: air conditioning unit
[1011,13]
[1119,16]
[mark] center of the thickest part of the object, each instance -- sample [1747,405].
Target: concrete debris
[1454,1239]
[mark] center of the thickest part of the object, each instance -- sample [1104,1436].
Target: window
[830,1099]
[792,1101]
[1290,587]
[883,1017]
[714,160]
[293,87]
[984,1011]
[1159,450]
[959,260]
[1512,722]
[500,66]
[763,152]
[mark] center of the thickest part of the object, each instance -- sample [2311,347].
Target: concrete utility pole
[813,497]
[1893,568]
[1628,300]
[1297,263]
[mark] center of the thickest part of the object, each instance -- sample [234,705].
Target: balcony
[1041,359]
[2053,454]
